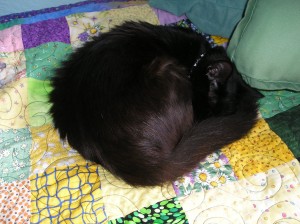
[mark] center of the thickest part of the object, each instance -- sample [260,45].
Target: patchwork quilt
[44,180]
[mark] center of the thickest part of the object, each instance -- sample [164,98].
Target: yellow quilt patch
[84,26]
[260,150]
[67,195]
[48,151]
[13,105]
[269,197]
[121,199]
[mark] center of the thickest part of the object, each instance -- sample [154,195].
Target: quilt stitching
[70,194]
[252,180]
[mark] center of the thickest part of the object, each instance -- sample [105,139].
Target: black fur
[125,101]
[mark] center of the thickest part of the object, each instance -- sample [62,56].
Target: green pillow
[265,45]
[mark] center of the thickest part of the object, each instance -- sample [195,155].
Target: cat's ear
[219,71]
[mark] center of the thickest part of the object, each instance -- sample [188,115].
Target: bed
[44,180]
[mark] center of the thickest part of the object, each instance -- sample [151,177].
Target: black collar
[196,63]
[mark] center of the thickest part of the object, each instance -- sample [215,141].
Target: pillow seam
[244,30]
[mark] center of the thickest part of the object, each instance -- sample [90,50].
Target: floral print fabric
[214,171]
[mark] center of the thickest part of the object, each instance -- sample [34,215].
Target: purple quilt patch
[54,30]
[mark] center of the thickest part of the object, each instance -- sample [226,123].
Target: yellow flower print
[222,179]
[217,165]
[181,180]
[211,158]
[93,30]
[203,177]
[213,183]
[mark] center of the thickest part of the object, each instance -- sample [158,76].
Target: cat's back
[126,84]
[123,53]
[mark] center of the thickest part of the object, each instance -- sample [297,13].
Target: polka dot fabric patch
[15,202]
[257,152]
[167,211]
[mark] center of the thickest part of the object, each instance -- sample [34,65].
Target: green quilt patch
[275,102]
[42,60]
[38,105]
[11,23]
[15,147]
[287,126]
[167,211]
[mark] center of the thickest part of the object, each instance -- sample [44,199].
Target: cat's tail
[206,137]
[203,139]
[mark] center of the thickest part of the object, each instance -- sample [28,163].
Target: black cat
[149,102]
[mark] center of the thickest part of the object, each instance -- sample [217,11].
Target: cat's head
[217,65]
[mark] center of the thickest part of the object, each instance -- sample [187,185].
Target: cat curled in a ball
[149,102]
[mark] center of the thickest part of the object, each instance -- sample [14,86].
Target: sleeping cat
[149,102]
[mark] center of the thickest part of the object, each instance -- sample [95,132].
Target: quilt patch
[267,197]
[38,103]
[12,67]
[121,199]
[286,125]
[49,152]
[14,154]
[15,202]
[85,26]
[275,102]
[167,211]
[11,40]
[53,30]
[214,171]
[43,59]
[68,194]
[13,104]
[257,152]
